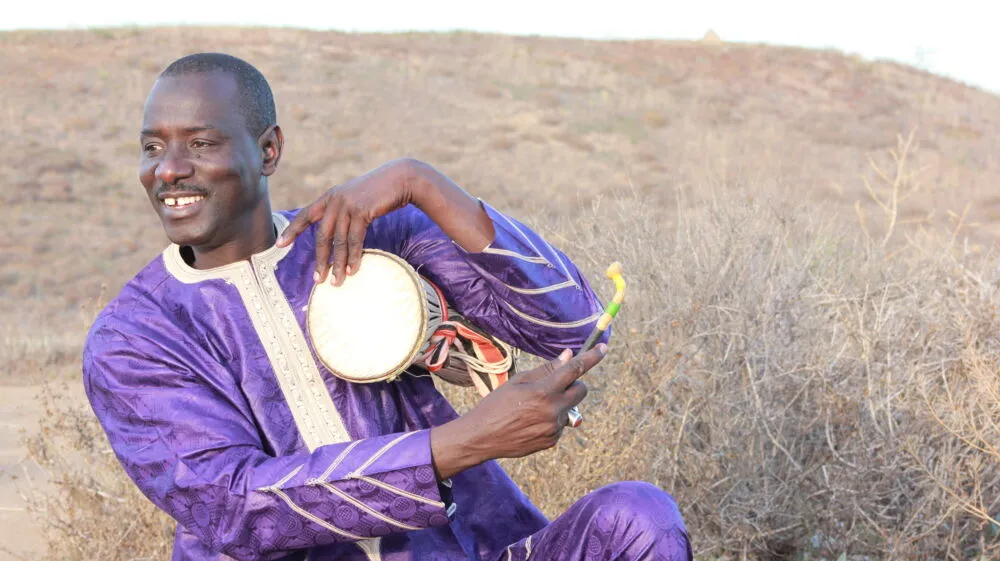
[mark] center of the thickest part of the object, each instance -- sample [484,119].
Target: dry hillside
[544,128]
[531,123]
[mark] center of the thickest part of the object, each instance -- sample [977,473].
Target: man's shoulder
[128,310]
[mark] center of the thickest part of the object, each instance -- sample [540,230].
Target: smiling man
[203,378]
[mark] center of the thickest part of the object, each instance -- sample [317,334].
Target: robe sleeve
[520,288]
[187,438]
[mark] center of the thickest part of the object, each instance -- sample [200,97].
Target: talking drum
[386,320]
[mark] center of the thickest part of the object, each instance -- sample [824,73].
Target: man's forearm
[455,211]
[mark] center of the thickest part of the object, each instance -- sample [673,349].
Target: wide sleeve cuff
[370,488]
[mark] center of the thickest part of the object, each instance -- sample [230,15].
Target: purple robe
[214,402]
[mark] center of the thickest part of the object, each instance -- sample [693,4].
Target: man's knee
[631,521]
[636,506]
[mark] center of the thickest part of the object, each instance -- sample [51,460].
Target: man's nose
[174,166]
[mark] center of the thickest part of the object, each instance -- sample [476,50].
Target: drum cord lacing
[443,329]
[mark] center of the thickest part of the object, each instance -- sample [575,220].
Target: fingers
[573,396]
[302,220]
[546,369]
[324,240]
[355,243]
[348,244]
[340,246]
[565,375]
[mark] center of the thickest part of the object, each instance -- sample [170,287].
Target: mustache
[165,190]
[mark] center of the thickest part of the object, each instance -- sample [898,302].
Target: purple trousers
[629,521]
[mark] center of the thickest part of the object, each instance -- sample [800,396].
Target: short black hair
[256,100]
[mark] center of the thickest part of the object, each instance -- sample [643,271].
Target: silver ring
[575,417]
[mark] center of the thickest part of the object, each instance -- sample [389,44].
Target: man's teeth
[182,201]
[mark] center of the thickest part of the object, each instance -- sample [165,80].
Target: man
[202,376]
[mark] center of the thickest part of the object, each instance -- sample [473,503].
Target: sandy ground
[19,536]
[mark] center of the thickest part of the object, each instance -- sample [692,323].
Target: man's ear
[271,142]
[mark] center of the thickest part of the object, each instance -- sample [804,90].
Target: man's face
[200,165]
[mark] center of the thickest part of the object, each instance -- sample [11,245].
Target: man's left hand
[344,214]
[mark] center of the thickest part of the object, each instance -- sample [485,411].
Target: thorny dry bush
[795,391]
[92,510]
[802,391]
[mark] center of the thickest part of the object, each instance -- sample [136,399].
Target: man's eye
[201,144]
[150,148]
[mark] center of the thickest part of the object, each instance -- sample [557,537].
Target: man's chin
[186,235]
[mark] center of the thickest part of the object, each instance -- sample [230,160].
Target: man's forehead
[208,96]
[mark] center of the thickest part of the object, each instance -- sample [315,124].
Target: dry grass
[90,508]
[807,359]
[800,392]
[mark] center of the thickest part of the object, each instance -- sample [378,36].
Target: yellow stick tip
[614,270]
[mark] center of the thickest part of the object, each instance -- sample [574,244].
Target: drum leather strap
[488,361]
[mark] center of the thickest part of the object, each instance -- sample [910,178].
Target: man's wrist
[451,448]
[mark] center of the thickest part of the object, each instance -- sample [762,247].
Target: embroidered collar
[178,267]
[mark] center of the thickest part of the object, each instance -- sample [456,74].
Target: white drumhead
[371,327]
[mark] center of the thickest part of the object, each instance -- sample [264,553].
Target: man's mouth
[181,202]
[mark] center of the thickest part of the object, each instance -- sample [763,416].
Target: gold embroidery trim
[531,244]
[398,491]
[316,418]
[516,255]
[381,452]
[371,548]
[337,460]
[365,508]
[542,290]
[316,405]
[553,324]
[313,518]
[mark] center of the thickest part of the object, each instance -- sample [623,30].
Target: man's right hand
[521,417]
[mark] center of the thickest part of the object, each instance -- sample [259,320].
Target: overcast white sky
[954,38]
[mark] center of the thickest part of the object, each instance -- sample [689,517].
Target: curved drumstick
[614,273]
